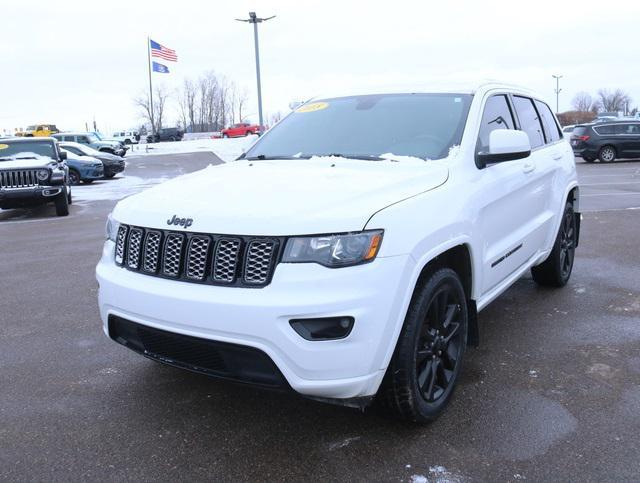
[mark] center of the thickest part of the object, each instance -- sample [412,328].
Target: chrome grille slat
[197,256]
[133,248]
[247,261]
[172,254]
[225,262]
[18,178]
[258,261]
[151,252]
[121,240]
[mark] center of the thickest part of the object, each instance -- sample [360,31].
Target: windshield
[97,135]
[25,150]
[421,125]
[93,138]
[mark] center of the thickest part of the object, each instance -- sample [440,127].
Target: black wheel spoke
[452,332]
[427,388]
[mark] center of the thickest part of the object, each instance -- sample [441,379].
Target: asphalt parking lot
[552,393]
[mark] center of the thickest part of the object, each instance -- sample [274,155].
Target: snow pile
[226,149]
[113,189]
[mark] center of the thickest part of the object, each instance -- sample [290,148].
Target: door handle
[528,167]
[557,157]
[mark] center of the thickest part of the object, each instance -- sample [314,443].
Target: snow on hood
[282,197]
[34,161]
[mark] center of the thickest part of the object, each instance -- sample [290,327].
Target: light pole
[557,91]
[255,21]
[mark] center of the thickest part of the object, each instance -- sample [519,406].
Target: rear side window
[631,129]
[496,115]
[579,131]
[529,121]
[548,122]
[611,129]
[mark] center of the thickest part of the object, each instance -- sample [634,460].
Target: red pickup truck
[240,129]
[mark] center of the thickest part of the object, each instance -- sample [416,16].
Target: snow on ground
[112,189]
[226,149]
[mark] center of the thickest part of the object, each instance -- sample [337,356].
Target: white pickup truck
[348,251]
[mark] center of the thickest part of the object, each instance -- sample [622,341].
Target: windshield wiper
[367,157]
[15,159]
[262,157]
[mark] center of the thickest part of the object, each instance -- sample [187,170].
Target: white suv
[347,253]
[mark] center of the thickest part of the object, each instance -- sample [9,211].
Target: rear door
[628,139]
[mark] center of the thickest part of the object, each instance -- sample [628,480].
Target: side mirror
[505,145]
[63,155]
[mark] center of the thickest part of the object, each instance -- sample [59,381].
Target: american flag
[163,52]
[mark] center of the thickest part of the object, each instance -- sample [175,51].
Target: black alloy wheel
[555,271]
[427,360]
[567,243]
[440,344]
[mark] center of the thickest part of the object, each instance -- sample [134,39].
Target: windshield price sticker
[4,146]
[314,106]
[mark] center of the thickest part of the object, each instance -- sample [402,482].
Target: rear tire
[607,154]
[428,356]
[62,204]
[69,197]
[556,270]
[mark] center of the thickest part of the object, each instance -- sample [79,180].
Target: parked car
[127,137]
[240,129]
[39,130]
[90,139]
[606,141]
[83,168]
[33,172]
[112,164]
[348,266]
[166,134]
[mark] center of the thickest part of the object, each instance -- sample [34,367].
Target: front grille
[198,257]
[18,178]
[210,357]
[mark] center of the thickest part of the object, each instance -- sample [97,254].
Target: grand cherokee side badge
[185,222]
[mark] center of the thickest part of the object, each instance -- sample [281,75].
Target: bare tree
[160,97]
[582,102]
[241,102]
[187,103]
[609,101]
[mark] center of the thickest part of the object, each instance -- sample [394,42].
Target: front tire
[428,357]
[607,154]
[74,177]
[556,270]
[62,204]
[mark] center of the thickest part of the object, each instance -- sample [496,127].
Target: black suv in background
[606,141]
[166,134]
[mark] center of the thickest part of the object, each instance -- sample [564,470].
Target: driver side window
[497,115]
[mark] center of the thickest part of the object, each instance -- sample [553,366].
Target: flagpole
[150,86]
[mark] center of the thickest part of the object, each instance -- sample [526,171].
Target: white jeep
[347,253]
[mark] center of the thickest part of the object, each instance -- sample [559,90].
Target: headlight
[334,250]
[111,229]
[42,174]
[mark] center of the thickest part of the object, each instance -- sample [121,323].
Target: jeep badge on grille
[185,222]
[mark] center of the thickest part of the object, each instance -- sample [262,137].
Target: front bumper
[113,168]
[339,369]
[27,196]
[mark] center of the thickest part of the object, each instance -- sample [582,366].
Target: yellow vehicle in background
[39,130]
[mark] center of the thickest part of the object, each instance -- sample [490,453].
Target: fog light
[325,328]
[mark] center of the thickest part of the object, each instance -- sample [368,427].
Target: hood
[74,159]
[106,143]
[40,162]
[280,198]
[108,158]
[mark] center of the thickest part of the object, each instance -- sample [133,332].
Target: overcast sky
[66,62]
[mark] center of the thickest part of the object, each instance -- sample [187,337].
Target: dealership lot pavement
[552,393]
